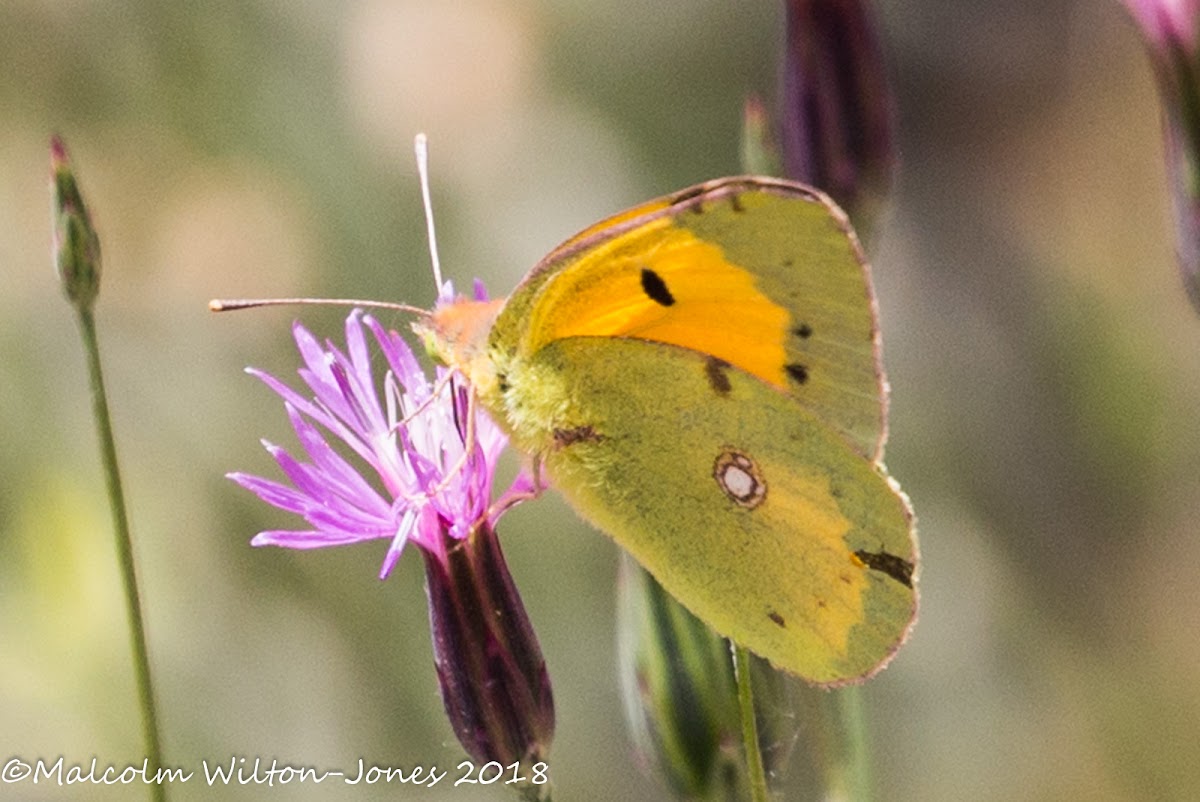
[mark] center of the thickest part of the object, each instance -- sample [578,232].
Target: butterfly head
[456,334]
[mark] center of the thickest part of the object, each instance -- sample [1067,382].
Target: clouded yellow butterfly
[700,377]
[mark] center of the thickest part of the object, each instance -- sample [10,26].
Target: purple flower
[426,481]
[433,459]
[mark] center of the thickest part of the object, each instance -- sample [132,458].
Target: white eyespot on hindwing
[739,478]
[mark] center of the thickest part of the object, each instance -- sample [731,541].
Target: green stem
[116,497]
[856,764]
[756,776]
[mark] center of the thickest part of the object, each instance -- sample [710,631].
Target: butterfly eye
[739,478]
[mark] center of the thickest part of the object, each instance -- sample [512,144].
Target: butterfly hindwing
[761,520]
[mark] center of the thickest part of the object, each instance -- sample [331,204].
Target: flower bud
[76,246]
[760,154]
[835,104]
[680,692]
[493,678]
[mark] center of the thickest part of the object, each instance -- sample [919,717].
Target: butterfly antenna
[236,304]
[421,148]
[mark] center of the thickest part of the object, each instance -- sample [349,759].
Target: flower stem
[116,497]
[756,776]
[856,767]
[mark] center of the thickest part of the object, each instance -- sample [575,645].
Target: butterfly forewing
[761,274]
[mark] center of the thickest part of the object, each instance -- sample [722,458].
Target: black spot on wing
[735,202]
[798,372]
[714,371]
[897,568]
[655,288]
[777,618]
[578,434]
[803,331]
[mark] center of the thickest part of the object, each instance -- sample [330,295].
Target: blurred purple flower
[835,104]
[1167,23]
[1169,28]
[428,482]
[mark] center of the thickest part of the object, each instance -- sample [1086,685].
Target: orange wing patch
[661,283]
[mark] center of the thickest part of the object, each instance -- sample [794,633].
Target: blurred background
[1042,355]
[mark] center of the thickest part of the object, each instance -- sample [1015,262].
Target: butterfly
[700,377]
